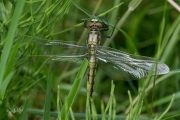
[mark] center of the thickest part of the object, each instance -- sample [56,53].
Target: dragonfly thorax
[94,38]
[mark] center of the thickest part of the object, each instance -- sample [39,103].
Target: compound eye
[94,23]
[89,24]
[99,25]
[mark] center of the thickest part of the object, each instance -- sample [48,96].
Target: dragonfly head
[96,25]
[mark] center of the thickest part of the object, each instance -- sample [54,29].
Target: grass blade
[48,98]
[167,109]
[23,115]
[74,90]
[5,84]
[9,38]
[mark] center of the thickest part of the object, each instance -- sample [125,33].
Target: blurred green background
[150,28]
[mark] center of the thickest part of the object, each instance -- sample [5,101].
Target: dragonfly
[116,64]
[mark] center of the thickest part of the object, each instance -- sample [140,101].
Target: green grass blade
[9,38]
[111,101]
[82,116]
[94,112]
[48,98]
[115,7]
[84,10]
[88,115]
[72,115]
[74,90]
[167,109]
[5,84]
[171,117]
[63,10]
[58,105]
[12,58]
[165,99]
[23,115]
[132,5]
[102,111]
[68,29]
[129,41]
[131,105]
[100,15]
[172,42]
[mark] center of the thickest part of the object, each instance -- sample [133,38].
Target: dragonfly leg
[107,28]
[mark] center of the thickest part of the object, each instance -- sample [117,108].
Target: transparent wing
[120,65]
[53,47]
[53,51]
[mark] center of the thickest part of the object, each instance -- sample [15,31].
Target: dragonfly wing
[120,65]
[53,48]
[53,51]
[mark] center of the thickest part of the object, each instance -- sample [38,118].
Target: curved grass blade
[5,84]
[167,109]
[74,90]
[84,11]
[9,41]
[100,15]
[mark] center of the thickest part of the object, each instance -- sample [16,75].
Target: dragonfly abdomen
[92,67]
[91,76]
